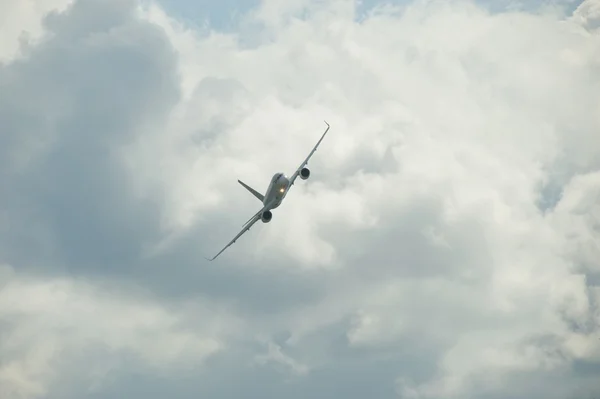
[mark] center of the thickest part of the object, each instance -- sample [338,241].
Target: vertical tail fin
[253,191]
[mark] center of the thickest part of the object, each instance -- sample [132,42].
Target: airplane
[278,188]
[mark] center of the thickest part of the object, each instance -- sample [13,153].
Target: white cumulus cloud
[446,244]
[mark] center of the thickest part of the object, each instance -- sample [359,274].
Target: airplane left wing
[297,172]
[245,228]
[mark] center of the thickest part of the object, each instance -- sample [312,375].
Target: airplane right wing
[297,172]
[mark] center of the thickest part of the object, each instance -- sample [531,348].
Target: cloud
[274,354]
[445,245]
[55,326]
[588,15]
[78,99]
[21,23]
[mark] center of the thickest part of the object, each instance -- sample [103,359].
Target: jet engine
[266,216]
[304,173]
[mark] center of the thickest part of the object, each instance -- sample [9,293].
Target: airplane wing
[245,228]
[297,172]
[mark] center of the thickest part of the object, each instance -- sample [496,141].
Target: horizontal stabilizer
[253,191]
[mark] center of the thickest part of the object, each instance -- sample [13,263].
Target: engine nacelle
[266,216]
[304,173]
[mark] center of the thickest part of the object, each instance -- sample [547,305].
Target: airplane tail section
[253,191]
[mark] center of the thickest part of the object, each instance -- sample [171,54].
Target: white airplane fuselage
[277,190]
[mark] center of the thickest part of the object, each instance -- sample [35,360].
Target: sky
[445,246]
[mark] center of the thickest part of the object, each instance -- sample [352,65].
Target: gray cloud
[78,99]
[420,261]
